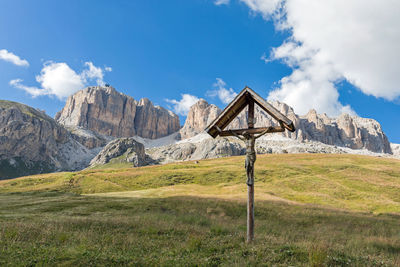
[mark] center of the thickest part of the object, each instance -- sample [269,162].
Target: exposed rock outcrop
[121,150]
[108,112]
[154,121]
[345,131]
[199,117]
[205,149]
[88,138]
[202,146]
[395,149]
[32,142]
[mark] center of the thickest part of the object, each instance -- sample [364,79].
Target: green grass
[351,182]
[54,228]
[311,210]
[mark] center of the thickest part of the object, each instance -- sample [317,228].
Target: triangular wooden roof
[238,104]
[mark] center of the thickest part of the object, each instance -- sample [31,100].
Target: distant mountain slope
[344,131]
[32,142]
[109,112]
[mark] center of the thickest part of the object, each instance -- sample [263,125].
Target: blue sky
[163,49]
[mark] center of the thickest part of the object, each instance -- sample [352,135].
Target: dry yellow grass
[195,214]
[359,183]
[236,192]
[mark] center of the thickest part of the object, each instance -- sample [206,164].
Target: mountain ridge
[106,111]
[345,131]
[33,142]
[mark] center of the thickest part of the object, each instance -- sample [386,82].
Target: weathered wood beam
[218,129]
[250,113]
[250,212]
[272,129]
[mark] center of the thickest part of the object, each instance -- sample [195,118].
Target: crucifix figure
[249,140]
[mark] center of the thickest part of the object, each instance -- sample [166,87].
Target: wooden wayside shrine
[247,97]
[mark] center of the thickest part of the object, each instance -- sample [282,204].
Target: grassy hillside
[48,229]
[311,210]
[352,182]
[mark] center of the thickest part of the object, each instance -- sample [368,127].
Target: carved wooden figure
[248,97]
[250,141]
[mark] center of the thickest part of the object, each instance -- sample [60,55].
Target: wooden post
[250,188]
[250,115]
[250,213]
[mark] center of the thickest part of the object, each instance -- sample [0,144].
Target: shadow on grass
[49,228]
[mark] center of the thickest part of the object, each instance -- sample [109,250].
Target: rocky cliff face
[154,121]
[32,142]
[345,131]
[199,117]
[108,112]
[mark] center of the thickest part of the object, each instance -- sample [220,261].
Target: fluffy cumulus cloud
[58,79]
[182,106]
[331,41]
[221,2]
[268,8]
[220,91]
[14,59]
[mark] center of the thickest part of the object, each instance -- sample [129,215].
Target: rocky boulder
[111,113]
[121,150]
[206,148]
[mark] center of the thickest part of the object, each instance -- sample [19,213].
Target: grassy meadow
[311,210]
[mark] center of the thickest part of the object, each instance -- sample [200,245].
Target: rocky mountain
[92,119]
[344,131]
[121,150]
[105,111]
[32,142]
[199,117]
[203,148]
[88,138]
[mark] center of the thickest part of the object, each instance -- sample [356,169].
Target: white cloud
[334,40]
[58,79]
[225,95]
[33,91]
[10,57]
[221,2]
[106,68]
[182,106]
[268,8]
[93,72]
[311,84]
